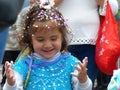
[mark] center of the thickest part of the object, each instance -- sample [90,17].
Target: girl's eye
[54,38]
[40,40]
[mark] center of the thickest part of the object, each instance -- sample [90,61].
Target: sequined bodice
[56,76]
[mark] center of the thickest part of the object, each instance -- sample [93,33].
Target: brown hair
[43,16]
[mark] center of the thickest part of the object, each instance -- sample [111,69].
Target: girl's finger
[85,61]
[83,64]
[78,68]
[11,62]
[73,74]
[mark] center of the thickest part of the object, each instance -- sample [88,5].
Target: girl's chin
[47,56]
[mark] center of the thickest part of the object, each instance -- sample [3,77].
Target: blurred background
[26,3]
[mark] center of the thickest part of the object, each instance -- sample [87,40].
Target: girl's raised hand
[10,76]
[82,70]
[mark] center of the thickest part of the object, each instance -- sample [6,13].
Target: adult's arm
[114,6]
[9,10]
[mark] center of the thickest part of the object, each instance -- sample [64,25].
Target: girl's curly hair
[38,14]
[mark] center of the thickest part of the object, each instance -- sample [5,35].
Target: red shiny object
[108,44]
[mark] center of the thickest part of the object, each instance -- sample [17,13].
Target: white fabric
[83,19]
[114,7]
[21,19]
[12,42]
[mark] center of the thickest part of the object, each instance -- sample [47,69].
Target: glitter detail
[49,77]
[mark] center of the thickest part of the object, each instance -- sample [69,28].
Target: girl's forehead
[47,25]
[47,33]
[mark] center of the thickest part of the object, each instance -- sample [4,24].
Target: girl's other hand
[9,73]
[82,70]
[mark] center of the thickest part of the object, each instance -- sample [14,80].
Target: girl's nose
[47,44]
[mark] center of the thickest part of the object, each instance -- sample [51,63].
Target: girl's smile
[47,42]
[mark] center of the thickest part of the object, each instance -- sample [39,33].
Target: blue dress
[54,75]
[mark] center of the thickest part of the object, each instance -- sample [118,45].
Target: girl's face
[47,42]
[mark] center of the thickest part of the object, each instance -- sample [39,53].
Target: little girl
[48,65]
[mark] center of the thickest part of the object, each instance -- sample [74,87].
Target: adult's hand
[100,2]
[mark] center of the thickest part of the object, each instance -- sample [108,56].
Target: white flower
[47,4]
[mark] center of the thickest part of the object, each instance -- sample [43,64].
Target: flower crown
[45,11]
[47,4]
